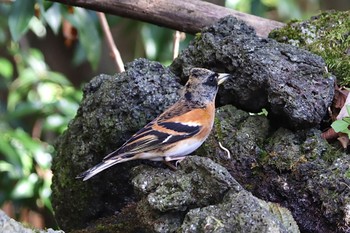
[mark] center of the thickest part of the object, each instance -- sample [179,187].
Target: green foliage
[158,43]
[34,15]
[343,124]
[286,9]
[19,18]
[53,17]
[89,36]
[36,105]
[39,102]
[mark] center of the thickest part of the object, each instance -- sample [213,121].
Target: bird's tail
[100,167]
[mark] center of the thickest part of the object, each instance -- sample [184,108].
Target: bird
[175,133]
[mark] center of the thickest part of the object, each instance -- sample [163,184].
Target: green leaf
[37,26]
[348,109]
[346,119]
[6,167]
[339,126]
[43,158]
[289,9]
[12,171]
[88,35]
[6,68]
[25,187]
[53,17]
[157,42]
[58,78]
[20,15]
[45,193]
[7,149]
[79,55]
[21,146]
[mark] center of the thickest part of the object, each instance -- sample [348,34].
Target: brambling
[178,131]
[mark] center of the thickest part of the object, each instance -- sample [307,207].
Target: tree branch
[184,15]
[114,50]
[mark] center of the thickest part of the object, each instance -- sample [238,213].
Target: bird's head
[203,84]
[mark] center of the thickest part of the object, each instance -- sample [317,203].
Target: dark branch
[189,16]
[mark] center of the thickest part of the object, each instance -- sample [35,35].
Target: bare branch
[178,37]
[114,50]
[183,15]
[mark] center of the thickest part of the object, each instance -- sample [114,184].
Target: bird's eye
[212,79]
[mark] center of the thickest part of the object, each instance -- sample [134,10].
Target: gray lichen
[290,83]
[210,198]
[326,35]
[293,167]
[9,225]
[113,108]
[299,170]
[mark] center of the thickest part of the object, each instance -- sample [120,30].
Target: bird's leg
[178,159]
[170,165]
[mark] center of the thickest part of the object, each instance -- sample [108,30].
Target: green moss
[330,155]
[218,129]
[263,156]
[126,221]
[327,35]
[347,174]
[198,36]
[101,228]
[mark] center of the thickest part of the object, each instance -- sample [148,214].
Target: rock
[326,35]
[291,83]
[295,168]
[9,225]
[199,182]
[239,212]
[112,109]
[243,135]
[208,196]
[299,170]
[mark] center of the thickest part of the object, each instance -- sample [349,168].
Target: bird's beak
[222,77]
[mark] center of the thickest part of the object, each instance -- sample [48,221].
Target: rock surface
[326,35]
[289,82]
[210,198]
[296,169]
[113,108]
[9,225]
[299,170]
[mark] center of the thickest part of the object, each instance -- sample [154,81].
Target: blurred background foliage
[47,52]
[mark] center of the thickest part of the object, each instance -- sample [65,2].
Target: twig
[225,149]
[114,50]
[178,36]
[7,1]
[37,128]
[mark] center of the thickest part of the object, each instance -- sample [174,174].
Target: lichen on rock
[112,109]
[9,225]
[326,35]
[297,169]
[294,167]
[292,84]
[207,198]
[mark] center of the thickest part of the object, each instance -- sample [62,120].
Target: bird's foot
[173,167]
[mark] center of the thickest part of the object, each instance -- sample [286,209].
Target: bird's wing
[156,134]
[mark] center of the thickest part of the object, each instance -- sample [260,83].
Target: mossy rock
[326,35]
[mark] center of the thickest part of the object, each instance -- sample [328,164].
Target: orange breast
[200,116]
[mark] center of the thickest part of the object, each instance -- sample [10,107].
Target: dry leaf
[344,140]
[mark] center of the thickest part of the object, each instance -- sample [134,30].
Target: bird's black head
[202,84]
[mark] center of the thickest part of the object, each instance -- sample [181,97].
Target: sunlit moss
[327,35]
[198,36]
